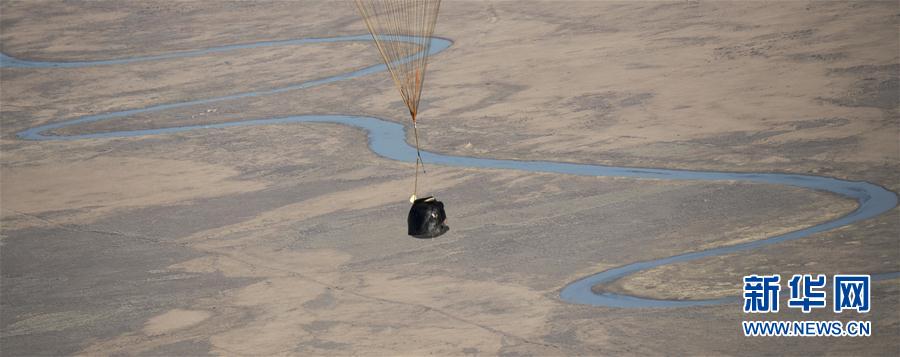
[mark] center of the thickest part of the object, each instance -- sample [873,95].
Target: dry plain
[290,239]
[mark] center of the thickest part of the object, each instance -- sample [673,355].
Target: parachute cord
[416,182]
[418,154]
[418,160]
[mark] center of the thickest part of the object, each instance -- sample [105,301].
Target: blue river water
[388,139]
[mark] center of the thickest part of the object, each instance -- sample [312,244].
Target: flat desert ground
[290,239]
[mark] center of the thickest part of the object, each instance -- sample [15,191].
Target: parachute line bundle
[401,30]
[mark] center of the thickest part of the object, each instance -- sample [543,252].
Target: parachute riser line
[401,32]
[419,160]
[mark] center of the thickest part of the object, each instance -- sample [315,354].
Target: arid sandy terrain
[290,239]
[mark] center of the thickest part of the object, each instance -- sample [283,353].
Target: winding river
[388,139]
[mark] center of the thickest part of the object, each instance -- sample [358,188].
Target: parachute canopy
[393,22]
